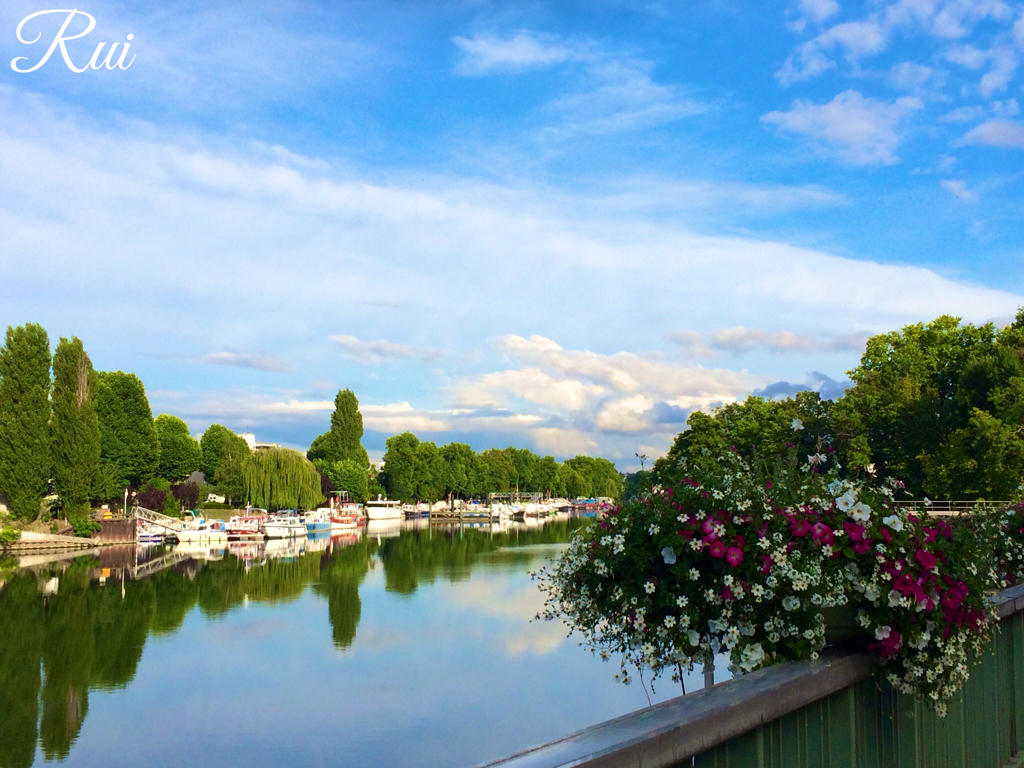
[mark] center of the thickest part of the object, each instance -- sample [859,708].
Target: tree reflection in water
[55,648]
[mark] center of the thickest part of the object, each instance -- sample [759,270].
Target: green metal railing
[870,725]
[831,713]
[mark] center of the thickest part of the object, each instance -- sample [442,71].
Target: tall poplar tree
[24,417]
[74,428]
[347,430]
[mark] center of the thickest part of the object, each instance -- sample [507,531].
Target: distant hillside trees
[24,418]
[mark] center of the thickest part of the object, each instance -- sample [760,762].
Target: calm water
[411,648]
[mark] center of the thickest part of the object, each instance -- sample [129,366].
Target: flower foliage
[759,561]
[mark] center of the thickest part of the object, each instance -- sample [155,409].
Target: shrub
[8,536]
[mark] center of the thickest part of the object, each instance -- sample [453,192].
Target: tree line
[419,470]
[939,406]
[77,436]
[72,437]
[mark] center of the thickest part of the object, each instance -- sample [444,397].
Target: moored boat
[212,532]
[318,521]
[284,527]
[383,509]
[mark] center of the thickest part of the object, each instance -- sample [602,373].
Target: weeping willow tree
[280,478]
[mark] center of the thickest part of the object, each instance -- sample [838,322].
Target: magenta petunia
[717,549]
[734,556]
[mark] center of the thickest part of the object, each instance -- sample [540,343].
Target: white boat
[212,532]
[284,527]
[318,521]
[383,509]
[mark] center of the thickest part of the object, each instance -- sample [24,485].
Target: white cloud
[627,414]
[560,441]
[619,95]
[1004,65]
[529,384]
[963,115]
[860,129]
[1018,32]
[959,189]
[908,76]
[857,38]
[487,54]
[381,351]
[967,56]
[629,372]
[247,360]
[1004,134]
[819,10]
[1008,108]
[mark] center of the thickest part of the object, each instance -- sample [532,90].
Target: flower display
[757,561]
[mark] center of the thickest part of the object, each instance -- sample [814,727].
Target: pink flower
[766,564]
[717,549]
[709,529]
[822,534]
[800,527]
[854,531]
[926,559]
[734,556]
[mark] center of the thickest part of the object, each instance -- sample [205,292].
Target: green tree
[544,475]
[431,472]
[323,449]
[460,469]
[280,478]
[218,442]
[926,399]
[74,428]
[347,475]
[755,426]
[180,454]
[24,418]
[128,443]
[401,466]
[347,429]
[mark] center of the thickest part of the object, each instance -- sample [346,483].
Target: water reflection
[74,624]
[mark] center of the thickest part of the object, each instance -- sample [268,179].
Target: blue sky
[562,226]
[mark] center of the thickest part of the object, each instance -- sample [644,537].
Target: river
[415,647]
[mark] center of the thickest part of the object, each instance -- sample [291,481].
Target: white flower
[670,621]
[668,555]
[654,529]
[649,588]
[791,603]
[860,512]
[694,574]
[751,657]
[894,522]
[835,487]
[846,501]
[814,459]
[694,637]
[796,424]
[682,601]
[883,632]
